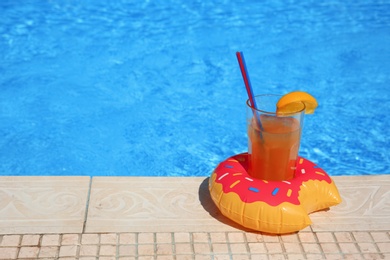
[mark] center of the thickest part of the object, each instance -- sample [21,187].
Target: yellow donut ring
[271,206]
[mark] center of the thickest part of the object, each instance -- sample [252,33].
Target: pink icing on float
[271,206]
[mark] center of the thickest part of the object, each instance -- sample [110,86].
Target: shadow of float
[209,205]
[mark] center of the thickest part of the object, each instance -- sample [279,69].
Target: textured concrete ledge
[163,204]
[43,204]
[154,204]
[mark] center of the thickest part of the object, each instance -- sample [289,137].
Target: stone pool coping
[58,207]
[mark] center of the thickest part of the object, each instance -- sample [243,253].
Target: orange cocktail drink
[273,139]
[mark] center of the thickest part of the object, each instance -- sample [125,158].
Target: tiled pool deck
[174,218]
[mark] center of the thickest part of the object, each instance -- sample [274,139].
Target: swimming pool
[153,87]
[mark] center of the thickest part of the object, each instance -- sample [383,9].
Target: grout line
[228,245]
[155,246]
[173,245]
[337,244]
[192,245]
[375,244]
[136,245]
[356,243]
[284,252]
[210,245]
[39,244]
[248,251]
[319,245]
[87,205]
[117,252]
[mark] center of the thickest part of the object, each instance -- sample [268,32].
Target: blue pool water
[153,87]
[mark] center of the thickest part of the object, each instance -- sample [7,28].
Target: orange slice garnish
[294,102]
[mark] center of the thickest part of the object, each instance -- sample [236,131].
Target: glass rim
[273,113]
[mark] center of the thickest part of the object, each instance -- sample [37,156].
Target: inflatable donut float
[271,206]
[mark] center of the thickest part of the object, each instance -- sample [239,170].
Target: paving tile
[271,238]
[50,240]
[273,248]
[30,240]
[127,250]
[241,257]
[344,237]
[367,247]
[82,258]
[107,250]
[257,248]
[254,237]
[238,248]
[384,247]
[90,239]
[292,238]
[182,237]
[202,248]
[183,249]
[362,236]
[264,257]
[292,248]
[330,248]
[68,251]
[348,248]
[382,236]
[70,239]
[314,256]
[184,257]
[200,237]
[42,204]
[218,237]
[164,237]
[236,237]
[28,252]
[307,237]
[146,249]
[324,237]
[88,250]
[127,238]
[108,239]
[222,257]
[10,240]
[311,248]
[48,252]
[164,249]
[219,248]
[8,252]
[145,238]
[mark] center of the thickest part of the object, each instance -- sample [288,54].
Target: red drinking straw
[248,86]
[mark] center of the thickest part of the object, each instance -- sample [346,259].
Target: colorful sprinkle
[249,179]
[287,182]
[303,171]
[223,176]
[289,192]
[265,181]
[301,161]
[232,160]
[320,173]
[254,189]
[238,173]
[234,184]
[276,190]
